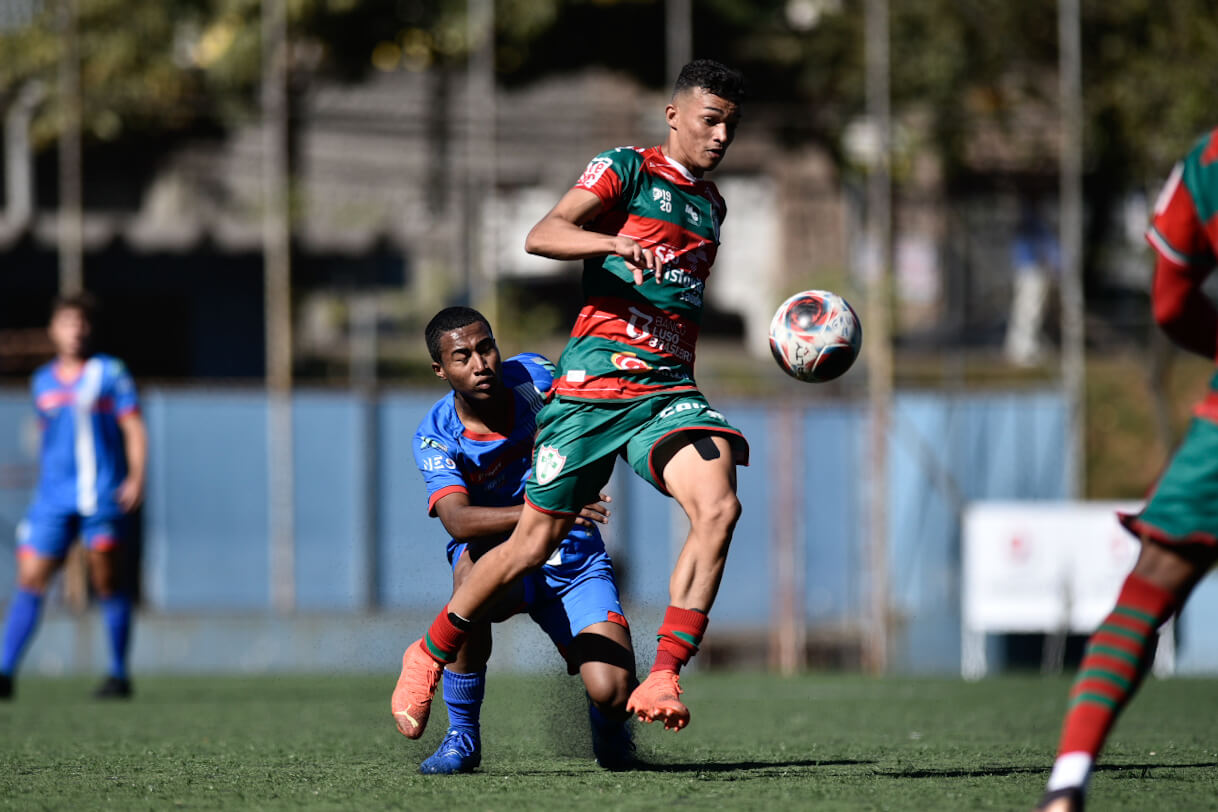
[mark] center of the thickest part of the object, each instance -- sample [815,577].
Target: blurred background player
[91,476]
[647,225]
[1178,526]
[1035,264]
[474,449]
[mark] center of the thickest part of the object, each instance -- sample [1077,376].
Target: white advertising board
[1049,567]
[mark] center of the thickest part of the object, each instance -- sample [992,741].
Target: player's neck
[493,416]
[68,367]
[675,158]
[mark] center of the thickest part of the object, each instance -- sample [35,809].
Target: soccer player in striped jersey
[91,476]
[646,223]
[1178,526]
[474,449]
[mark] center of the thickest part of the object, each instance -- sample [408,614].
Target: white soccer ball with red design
[815,336]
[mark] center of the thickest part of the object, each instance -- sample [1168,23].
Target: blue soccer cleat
[612,743]
[459,752]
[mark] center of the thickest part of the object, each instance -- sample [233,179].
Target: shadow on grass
[1163,765]
[981,772]
[736,766]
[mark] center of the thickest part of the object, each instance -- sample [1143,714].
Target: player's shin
[463,694]
[116,614]
[446,635]
[23,613]
[1118,656]
[678,638]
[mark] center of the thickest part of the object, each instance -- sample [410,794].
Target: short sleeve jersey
[1184,229]
[491,468]
[83,460]
[632,341]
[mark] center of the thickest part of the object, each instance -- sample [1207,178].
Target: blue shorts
[573,590]
[50,535]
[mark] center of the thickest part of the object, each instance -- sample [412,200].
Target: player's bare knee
[34,574]
[36,583]
[1174,568]
[716,517]
[608,688]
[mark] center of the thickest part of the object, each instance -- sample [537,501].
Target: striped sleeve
[611,175]
[1176,232]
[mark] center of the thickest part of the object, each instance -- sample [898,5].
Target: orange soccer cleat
[657,698]
[411,702]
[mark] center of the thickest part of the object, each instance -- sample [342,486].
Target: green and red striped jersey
[1184,230]
[1184,233]
[632,341]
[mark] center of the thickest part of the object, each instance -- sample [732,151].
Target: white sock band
[1071,770]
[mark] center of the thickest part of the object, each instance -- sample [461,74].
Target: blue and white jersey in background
[490,468]
[82,460]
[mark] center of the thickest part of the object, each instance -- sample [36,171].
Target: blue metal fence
[363,540]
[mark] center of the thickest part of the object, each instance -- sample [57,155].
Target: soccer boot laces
[459,752]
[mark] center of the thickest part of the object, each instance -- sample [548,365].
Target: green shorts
[578,441]
[1183,507]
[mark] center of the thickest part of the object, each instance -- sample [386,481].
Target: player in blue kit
[91,476]
[474,449]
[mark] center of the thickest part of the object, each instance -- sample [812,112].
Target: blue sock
[23,614]
[598,719]
[116,613]
[463,696]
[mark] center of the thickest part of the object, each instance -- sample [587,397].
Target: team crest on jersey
[548,464]
[628,362]
[596,167]
[692,215]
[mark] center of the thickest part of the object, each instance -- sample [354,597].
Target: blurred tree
[132,68]
[961,64]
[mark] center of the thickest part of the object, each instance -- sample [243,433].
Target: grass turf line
[756,742]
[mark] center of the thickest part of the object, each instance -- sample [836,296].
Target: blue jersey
[490,468]
[83,460]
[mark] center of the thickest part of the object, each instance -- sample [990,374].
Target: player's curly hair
[447,320]
[713,77]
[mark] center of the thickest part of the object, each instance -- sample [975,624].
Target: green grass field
[756,742]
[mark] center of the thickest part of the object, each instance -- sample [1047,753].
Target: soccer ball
[815,336]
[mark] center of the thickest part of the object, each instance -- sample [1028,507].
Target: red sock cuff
[443,640]
[1139,593]
[689,622]
[679,637]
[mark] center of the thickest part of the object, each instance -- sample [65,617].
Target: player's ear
[670,114]
[439,370]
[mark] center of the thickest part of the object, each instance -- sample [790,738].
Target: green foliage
[1148,70]
[834,742]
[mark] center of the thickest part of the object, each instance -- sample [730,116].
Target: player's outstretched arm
[1184,312]
[465,521]
[135,446]
[561,235]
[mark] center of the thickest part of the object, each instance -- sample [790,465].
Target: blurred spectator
[1035,262]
